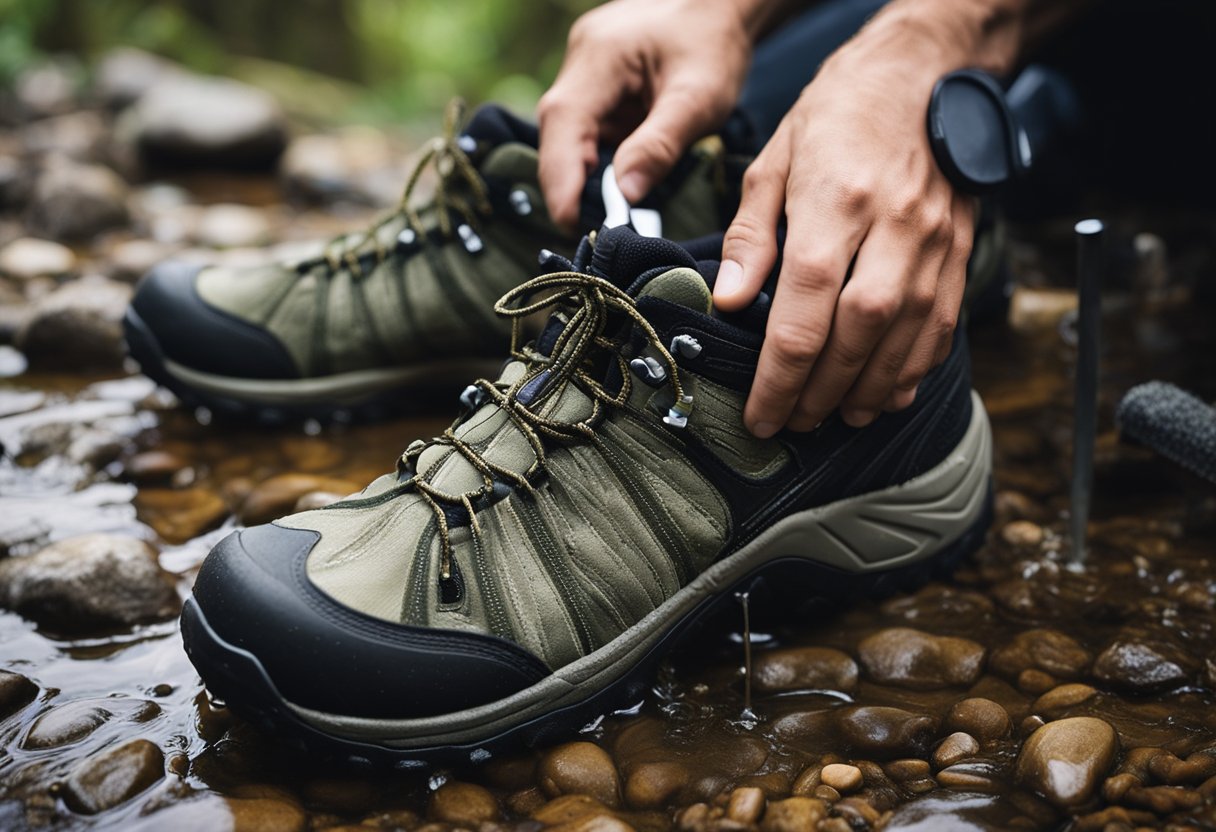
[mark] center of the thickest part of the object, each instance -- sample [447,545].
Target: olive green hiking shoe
[522,574]
[408,301]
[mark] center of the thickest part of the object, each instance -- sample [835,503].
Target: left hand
[851,168]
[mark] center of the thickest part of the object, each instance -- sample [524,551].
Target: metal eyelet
[472,243]
[521,202]
[472,397]
[649,370]
[467,143]
[685,346]
[678,413]
[407,239]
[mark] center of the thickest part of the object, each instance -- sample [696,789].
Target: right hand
[651,75]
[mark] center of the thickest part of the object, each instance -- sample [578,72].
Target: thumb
[680,115]
[749,249]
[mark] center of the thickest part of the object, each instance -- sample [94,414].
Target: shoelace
[449,152]
[593,298]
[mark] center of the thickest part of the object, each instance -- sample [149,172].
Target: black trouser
[1144,71]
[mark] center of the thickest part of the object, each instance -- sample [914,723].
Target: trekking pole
[1089,235]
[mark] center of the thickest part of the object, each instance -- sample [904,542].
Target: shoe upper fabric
[604,469]
[419,285]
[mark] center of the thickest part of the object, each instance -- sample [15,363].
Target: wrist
[954,34]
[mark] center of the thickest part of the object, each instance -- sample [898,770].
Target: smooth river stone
[907,658]
[1066,760]
[804,668]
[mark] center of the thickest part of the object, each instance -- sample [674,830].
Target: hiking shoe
[407,301]
[522,573]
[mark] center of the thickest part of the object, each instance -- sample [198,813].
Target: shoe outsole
[235,676]
[144,348]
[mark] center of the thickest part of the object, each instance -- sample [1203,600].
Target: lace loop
[450,157]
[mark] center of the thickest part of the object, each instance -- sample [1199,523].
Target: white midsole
[925,515]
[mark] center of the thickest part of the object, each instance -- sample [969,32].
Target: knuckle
[755,177]
[794,344]
[853,196]
[921,301]
[810,269]
[872,308]
[745,233]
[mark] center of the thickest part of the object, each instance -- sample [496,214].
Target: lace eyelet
[521,203]
[468,237]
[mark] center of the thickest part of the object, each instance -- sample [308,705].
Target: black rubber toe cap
[197,335]
[255,595]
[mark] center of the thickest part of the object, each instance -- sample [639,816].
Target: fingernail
[730,278]
[632,185]
[858,418]
[764,430]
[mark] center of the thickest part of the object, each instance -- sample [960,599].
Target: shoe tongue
[622,256]
[493,125]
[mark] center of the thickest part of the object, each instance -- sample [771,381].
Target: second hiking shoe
[410,300]
[523,573]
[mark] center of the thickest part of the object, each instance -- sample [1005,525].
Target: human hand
[851,168]
[651,75]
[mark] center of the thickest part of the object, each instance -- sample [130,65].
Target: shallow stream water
[1127,638]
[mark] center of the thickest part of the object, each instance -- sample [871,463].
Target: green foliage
[404,56]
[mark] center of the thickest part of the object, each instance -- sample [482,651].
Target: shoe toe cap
[189,331]
[255,595]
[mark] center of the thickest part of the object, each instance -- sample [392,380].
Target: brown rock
[1022,533]
[580,768]
[843,778]
[885,733]
[277,496]
[804,668]
[1035,682]
[64,725]
[653,785]
[1049,651]
[908,658]
[794,814]
[112,777]
[153,466]
[981,718]
[76,326]
[954,749]
[179,515]
[826,793]
[16,692]
[567,808]
[28,257]
[909,769]
[1059,699]
[463,803]
[86,581]
[1066,760]
[1144,666]
[72,201]
[266,814]
[745,805]
[970,777]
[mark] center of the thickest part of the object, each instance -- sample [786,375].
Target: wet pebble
[1059,699]
[87,581]
[915,659]
[580,768]
[955,748]
[746,804]
[463,803]
[228,225]
[181,514]
[652,785]
[277,496]
[1066,760]
[971,777]
[981,718]
[29,257]
[195,121]
[1022,533]
[804,668]
[1144,665]
[841,777]
[884,732]
[123,74]
[77,326]
[1046,650]
[71,201]
[154,466]
[64,725]
[794,814]
[16,691]
[265,814]
[132,259]
[114,776]
[570,807]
